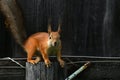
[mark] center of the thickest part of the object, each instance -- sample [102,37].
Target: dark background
[89,27]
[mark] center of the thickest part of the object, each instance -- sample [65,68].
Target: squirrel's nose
[55,43]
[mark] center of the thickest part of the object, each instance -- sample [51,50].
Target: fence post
[41,72]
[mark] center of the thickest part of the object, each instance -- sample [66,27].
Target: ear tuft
[49,28]
[59,28]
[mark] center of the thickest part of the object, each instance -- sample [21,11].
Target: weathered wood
[100,68]
[41,72]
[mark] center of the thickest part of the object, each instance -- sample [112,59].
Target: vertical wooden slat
[42,74]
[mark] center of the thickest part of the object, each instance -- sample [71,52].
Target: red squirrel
[46,44]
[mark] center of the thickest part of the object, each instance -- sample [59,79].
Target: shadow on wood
[41,72]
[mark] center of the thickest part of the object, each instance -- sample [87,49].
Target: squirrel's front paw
[47,63]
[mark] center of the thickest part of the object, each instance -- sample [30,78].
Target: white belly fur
[53,50]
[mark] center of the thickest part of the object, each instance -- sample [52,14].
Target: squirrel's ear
[49,25]
[49,28]
[59,28]
[59,25]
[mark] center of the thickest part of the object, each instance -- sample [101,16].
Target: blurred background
[89,27]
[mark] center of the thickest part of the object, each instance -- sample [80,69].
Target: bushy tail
[13,19]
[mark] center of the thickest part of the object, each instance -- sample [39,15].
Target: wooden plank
[41,72]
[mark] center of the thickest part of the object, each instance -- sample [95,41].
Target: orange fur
[45,43]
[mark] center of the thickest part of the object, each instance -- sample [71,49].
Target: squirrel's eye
[49,37]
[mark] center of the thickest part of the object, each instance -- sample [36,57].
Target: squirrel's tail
[13,19]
